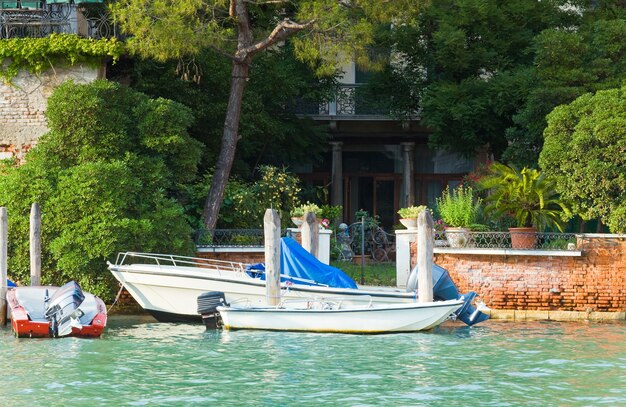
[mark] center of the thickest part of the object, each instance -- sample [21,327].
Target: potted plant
[297,213]
[529,197]
[459,210]
[408,216]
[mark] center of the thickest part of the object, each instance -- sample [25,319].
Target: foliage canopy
[38,54]
[109,176]
[585,152]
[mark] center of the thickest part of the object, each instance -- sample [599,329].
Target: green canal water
[140,362]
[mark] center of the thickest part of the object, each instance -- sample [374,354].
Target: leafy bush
[458,208]
[411,211]
[528,196]
[245,203]
[107,176]
[584,152]
[300,211]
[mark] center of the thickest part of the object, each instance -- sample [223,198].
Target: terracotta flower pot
[523,238]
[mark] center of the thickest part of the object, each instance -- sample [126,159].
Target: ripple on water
[494,364]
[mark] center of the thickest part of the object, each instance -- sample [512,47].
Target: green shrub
[107,176]
[458,208]
[245,204]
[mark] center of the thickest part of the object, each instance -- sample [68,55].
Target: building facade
[375,162]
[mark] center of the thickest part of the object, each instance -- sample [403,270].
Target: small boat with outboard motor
[326,315]
[49,311]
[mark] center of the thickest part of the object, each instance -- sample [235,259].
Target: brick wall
[23,104]
[240,257]
[594,282]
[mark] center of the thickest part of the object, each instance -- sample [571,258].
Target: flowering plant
[325,223]
[440,227]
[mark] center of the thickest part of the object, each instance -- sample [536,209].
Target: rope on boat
[117,297]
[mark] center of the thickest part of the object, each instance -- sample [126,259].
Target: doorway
[376,193]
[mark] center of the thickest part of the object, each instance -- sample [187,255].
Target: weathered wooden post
[425,227]
[35,244]
[271,226]
[3,264]
[311,234]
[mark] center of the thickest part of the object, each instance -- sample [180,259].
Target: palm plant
[528,196]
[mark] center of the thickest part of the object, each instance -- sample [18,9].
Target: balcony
[350,102]
[36,19]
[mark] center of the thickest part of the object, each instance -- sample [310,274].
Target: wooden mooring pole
[271,226]
[310,234]
[425,242]
[4,228]
[35,244]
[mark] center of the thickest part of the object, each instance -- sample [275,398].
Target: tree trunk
[230,137]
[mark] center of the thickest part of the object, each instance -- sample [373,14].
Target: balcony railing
[350,101]
[36,19]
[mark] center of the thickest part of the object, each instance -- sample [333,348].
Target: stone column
[336,194]
[408,179]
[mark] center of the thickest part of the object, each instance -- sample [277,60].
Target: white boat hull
[374,319]
[170,292]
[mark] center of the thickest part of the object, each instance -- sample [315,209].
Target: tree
[568,63]
[333,31]
[585,151]
[266,117]
[107,176]
[467,65]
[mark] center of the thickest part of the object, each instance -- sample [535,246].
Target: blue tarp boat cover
[296,262]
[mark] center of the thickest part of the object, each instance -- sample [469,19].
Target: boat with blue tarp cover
[168,286]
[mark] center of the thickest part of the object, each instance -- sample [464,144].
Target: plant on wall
[38,54]
[459,208]
[527,195]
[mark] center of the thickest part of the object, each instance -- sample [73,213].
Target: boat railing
[126,258]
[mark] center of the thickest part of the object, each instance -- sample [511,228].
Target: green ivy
[38,54]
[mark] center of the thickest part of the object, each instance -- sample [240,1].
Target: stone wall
[23,105]
[592,282]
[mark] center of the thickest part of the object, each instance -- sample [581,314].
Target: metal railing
[230,238]
[350,100]
[376,243]
[40,19]
[161,260]
[507,240]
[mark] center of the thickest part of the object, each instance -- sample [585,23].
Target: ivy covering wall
[39,54]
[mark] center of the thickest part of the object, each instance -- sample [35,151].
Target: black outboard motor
[207,308]
[62,309]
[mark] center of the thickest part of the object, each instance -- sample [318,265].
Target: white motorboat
[168,286]
[336,317]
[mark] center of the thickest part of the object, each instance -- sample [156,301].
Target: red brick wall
[596,281]
[240,257]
